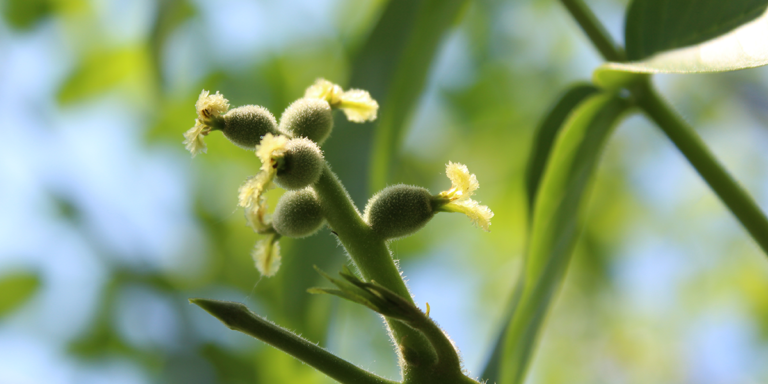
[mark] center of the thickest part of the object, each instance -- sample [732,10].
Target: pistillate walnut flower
[457,198]
[208,106]
[358,105]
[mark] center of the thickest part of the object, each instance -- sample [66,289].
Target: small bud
[298,214]
[310,118]
[399,210]
[300,164]
[246,125]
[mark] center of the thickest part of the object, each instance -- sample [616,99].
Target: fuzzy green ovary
[298,214]
[300,165]
[399,210]
[309,118]
[246,125]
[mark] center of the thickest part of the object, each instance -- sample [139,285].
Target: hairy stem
[237,317]
[447,357]
[594,30]
[695,150]
[371,256]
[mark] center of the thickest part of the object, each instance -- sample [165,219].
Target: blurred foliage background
[107,226]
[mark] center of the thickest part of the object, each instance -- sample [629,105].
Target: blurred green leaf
[433,19]
[555,226]
[25,14]
[654,26]
[690,36]
[17,289]
[170,14]
[234,368]
[104,70]
[374,68]
[102,337]
[545,136]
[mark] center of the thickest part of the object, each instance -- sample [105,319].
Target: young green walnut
[246,125]
[298,214]
[399,210]
[307,117]
[290,163]
[299,165]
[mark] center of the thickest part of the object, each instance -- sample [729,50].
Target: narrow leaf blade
[433,19]
[545,135]
[345,295]
[556,224]
[543,141]
[237,317]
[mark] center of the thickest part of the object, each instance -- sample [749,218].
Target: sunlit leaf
[104,70]
[690,37]
[556,223]
[16,290]
[654,26]
[432,21]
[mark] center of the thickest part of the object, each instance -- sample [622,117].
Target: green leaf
[372,295]
[25,14]
[690,36]
[543,141]
[433,19]
[654,26]
[374,68]
[237,317]
[545,135]
[556,224]
[104,70]
[17,289]
[170,15]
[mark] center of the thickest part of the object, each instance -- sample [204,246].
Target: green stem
[237,317]
[447,357]
[682,135]
[372,257]
[695,150]
[595,30]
